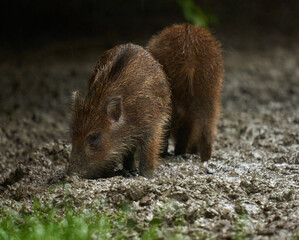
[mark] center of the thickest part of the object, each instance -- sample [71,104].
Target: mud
[252,180]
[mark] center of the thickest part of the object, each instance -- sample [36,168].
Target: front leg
[164,148]
[149,153]
[129,162]
[129,165]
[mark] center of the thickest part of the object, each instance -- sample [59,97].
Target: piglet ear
[77,99]
[114,109]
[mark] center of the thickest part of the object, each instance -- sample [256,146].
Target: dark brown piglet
[123,115]
[192,60]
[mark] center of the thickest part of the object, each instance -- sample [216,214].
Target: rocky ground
[252,181]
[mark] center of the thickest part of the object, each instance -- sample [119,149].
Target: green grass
[48,223]
[243,228]
[45,222]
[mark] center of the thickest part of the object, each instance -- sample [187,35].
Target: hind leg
[206,139]
[182,134]
[202,138]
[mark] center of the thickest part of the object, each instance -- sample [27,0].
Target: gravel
[251,181]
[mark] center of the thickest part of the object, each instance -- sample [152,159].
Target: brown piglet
[192,61]
[123,116]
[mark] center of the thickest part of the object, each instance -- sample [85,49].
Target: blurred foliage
[194,14]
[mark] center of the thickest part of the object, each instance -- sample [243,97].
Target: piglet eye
[94,140]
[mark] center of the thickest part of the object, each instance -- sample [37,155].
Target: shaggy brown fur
[191,58]
[123,115]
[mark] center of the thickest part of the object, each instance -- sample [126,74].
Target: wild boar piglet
[191,58]
[123,116]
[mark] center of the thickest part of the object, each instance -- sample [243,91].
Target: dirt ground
[252,180]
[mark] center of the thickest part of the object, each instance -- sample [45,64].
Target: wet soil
[251,182]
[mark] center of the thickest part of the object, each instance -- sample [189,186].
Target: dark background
[28,23]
